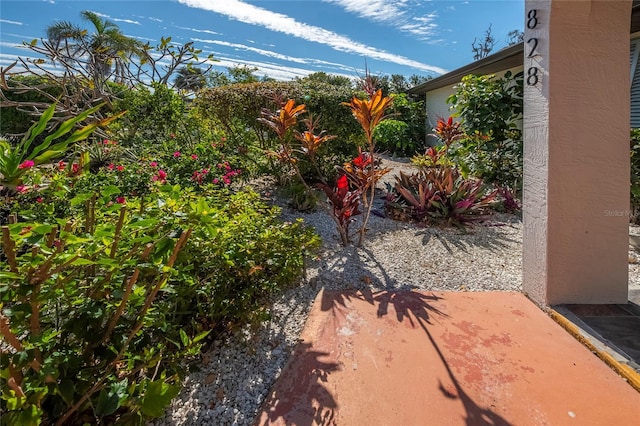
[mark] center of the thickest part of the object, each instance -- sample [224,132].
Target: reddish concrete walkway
[408,358]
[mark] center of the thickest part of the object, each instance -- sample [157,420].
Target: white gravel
[236,374]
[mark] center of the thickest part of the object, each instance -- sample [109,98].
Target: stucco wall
[576,154]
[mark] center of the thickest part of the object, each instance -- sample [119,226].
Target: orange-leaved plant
[369,113]
[344,203]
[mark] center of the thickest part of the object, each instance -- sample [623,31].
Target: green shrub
[236,262]
[490,109]
[102,310]
[79,311]
[15,121]
[414,113]
[393,136]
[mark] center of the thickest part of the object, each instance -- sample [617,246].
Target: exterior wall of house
[436,100]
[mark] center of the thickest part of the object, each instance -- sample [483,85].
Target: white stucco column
[576,151]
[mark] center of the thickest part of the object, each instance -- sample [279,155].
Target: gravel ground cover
[236,374]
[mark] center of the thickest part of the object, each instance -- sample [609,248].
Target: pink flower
[121,200]
[176,154]
[194,157]
[223,139]
[153,164]
[22,188]
[111,166]
[216,181]
[106,142]
[173,135]
[75,168]
[27,164]
[39,199]
[120,168]
[161,177]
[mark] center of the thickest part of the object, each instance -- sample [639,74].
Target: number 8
[532,76]
[532,20]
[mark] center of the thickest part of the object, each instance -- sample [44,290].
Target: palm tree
[99,52]
[190,79]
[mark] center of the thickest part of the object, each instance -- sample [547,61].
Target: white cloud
[198,31]
[399,14]
[6,21]
[254,15]
[272,54]
[127,21]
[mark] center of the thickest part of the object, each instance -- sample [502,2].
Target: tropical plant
[84,342]
[15,161]
[393,136]
[369,112]
[439,195]
[490,110]
[104,49]
[189,79]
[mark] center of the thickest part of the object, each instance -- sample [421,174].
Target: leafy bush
[489,109]
[414,113]
[233,264]
[15,121]
[78,311]
[102,310]
[393,136]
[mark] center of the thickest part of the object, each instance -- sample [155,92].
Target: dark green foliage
[152,116]
[234,263]
[490,109]
[393,136]
[15,121]
[129,288]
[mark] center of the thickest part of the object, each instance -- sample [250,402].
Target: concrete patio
[440,358]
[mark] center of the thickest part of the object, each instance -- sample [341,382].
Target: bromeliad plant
[439,195]
[16,161]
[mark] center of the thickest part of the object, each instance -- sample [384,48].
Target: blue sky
[289,38]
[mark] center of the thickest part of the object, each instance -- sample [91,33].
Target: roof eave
[509,57]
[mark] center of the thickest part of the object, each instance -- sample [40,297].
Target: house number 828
[532,72]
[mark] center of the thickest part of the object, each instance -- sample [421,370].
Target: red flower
[153,164]
[120,168]
[362,160]
[39,199]
[342,185]
[27,164]
[61,165]
[121,200]
[75,168]
[194,157]
[111,166]
[176,154]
